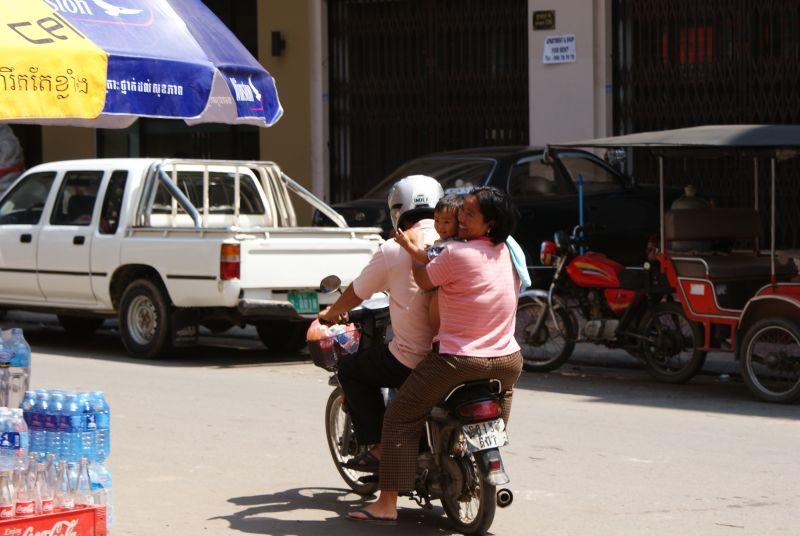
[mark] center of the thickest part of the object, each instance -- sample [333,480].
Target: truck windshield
[221,194]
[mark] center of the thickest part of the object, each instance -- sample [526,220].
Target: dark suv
[623,214]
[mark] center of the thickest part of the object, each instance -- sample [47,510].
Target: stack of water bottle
[15,367]
[53,454]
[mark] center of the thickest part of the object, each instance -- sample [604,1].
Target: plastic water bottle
[102,415]
[52,432]
[6,355]
[21,429]
[20,368]
[69,424]
[6,440]
[100,477]
[13,439]
[88,427]
[36,422]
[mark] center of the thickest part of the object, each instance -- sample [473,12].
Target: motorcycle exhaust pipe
[504,497]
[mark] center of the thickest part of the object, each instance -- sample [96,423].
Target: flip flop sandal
[365,463]
[370,518]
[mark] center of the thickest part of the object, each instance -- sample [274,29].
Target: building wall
[297,141]
[572,101]
[68,143]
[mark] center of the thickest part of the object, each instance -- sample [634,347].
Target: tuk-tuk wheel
[770,360]
[671,350]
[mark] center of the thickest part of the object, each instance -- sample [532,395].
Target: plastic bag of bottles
[327,344]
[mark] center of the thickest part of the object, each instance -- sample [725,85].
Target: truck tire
[283,335]
[145,317]
[80,325]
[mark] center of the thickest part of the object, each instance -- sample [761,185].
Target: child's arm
[410,241]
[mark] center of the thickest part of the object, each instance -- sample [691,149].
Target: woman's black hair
[496,205]
[450,202]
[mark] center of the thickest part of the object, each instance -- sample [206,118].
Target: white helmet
[412,196]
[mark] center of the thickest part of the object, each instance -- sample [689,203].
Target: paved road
[229,439]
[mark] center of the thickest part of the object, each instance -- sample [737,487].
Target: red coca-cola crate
[89,521]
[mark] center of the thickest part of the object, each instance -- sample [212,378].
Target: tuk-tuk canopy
[780,141]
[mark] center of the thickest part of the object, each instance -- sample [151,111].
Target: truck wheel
[283,335]
[145,319]
[80,325]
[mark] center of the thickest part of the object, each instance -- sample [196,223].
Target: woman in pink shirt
[478,301]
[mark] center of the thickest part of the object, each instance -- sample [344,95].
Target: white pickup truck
[168,245]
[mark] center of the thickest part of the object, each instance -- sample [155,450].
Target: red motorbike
[594,299]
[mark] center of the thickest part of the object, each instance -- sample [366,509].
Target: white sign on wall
[559,49]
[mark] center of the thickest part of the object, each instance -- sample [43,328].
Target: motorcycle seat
[472,392]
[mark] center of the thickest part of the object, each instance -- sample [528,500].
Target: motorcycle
[594,299]
[459,460]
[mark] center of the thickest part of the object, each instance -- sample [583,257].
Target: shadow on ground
[272,514]
[618,379]
[45,335]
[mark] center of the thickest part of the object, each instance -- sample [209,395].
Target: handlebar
[577,238]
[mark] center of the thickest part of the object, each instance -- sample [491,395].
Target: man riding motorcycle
[362,375]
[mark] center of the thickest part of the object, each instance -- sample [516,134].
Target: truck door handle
[26,238]
[79,240]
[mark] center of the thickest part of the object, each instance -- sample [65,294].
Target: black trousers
[362,375]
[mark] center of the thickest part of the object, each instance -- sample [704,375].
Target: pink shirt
[477,299]
[390,269]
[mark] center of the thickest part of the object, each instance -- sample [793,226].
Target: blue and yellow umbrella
[104,63]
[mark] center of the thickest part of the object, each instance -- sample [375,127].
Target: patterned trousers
[427,385]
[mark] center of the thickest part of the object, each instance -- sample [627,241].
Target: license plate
[485,435]
[304,302]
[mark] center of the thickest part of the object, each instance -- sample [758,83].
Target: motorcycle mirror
[547,157]
[561,238]
[330,284]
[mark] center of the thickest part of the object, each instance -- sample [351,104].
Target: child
[445,222]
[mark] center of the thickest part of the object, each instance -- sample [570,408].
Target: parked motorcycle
[595,299]
[459,461]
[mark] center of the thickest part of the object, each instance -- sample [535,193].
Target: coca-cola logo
[61,528]
[25,508]
[47,506]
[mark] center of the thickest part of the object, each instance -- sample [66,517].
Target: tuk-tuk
[745,298]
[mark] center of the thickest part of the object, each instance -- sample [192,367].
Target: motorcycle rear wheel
[553,345]
[337,422]
[473,516]
[672,352]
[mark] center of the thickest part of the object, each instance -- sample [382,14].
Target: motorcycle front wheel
[468,501]
[671,348]
[552,344]
[343,445]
